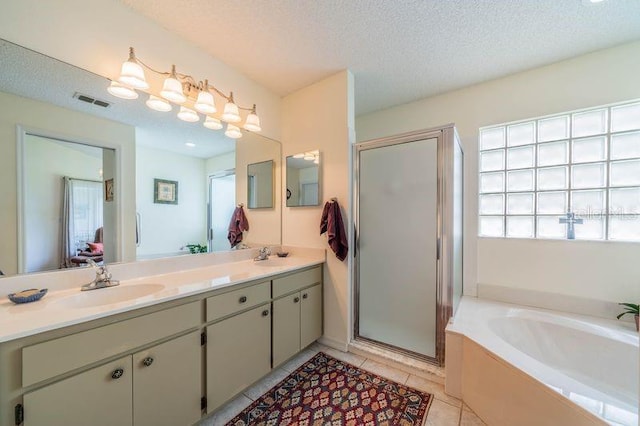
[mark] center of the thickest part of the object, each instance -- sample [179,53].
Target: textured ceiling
[32,75]
[398,50]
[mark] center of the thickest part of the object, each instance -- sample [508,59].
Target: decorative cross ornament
[570,221]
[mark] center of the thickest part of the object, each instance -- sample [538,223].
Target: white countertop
[54,311]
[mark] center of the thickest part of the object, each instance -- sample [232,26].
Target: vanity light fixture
[179,88]
[188,115]
[122,91]
[252,123]
[212,123]
[132,74]
[158,104]
[233,132]
[231,113]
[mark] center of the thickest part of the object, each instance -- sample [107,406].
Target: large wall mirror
[113,157]
[303,179]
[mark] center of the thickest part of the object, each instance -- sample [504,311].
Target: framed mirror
[303,179]
[138,147]
[260,185]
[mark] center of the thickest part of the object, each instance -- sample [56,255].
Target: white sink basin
[109,295]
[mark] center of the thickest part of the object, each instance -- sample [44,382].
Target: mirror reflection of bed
[64,214]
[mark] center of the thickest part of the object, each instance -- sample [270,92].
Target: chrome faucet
[263,254]
[102,279]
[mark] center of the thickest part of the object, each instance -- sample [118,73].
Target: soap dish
[27,296]
[282,254]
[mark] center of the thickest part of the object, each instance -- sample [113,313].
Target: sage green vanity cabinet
[167,383]
[101,396]
[238,354]
[297,315]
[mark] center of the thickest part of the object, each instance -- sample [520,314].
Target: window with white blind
[581,167]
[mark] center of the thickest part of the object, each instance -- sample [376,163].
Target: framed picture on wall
[165,191]
[108,190]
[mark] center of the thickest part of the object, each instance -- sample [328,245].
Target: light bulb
[231,113]
[122,91]
[188,115]
[252,123]
[204,103]
[212,123]
[158,104]
[132,73]
[233,132]
[172,88]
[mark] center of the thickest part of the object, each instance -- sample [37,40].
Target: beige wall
[165,228]
[264,224]
[601,270]
[320,116]
[96,35]
[220,163]
[69,125]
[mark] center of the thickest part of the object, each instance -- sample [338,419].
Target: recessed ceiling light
[596,1]
[190,144]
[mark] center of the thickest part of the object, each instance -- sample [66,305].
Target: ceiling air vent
[90,100]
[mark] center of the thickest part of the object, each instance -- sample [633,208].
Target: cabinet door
[238,354]
[98,397]
[310,315]
[286,328]
[167,383]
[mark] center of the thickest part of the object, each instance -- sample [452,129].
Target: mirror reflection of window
[303,179]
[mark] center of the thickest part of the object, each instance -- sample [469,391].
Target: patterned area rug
[325,391]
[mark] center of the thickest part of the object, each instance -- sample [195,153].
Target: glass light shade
[231,113]
[252,123]
[188,115]
[158,104]
[301,155]
[212,123]
[309,157]
[122,91]
[204,103]
[233,132]
[172,91]
[316,161]
[132,75]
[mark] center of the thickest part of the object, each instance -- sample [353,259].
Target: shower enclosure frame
[447,142]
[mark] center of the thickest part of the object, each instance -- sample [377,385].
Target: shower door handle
[438,248]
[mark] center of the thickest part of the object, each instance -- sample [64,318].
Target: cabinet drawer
[237,300]
[297,281]
[48,359]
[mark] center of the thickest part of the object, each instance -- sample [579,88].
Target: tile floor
[445,410]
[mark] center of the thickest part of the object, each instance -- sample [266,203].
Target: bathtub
[590,363]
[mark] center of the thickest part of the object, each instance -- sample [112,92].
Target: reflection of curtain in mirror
[82,215]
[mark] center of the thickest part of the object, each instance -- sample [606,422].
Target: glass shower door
[397,218]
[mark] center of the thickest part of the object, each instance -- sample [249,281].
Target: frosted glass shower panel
[397,247]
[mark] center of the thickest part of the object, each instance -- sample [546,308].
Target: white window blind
[532,173]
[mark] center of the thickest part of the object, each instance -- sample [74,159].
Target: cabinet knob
[265,313]
[304,296]
[117,373]
[147,361]
[242,299]
[296,300]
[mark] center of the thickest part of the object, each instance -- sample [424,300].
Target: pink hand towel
[331,223]
[239,223]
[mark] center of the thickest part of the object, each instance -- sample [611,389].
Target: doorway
[221,203]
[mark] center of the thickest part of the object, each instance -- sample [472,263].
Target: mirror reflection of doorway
[64,213]
[222,202]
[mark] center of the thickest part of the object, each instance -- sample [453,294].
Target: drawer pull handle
[243,299]
[304,296]
[265,313]
[117,373]
[296,300]
[147,361]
